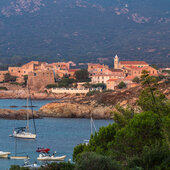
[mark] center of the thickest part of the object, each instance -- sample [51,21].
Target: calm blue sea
[60,135]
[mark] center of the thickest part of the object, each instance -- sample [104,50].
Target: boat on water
[44,150]
[4,154]
[24,132]
[92,125]
[30,166]
[44,157]
[19,157]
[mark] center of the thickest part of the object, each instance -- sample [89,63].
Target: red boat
[46,150]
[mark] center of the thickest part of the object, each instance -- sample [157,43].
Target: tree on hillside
[121,85]
[82,75]
[135,139]
[136,80]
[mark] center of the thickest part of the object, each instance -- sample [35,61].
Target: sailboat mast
[27,109]
[91,122]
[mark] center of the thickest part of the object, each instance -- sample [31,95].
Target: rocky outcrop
[100,106]
[74,110]
[16,114]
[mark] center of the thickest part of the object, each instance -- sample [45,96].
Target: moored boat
[45,150]
[4,154]
[19,157]
[43,157]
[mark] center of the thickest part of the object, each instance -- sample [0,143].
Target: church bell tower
[116,62]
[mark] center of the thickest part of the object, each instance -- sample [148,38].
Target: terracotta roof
[133,62]
[73,70]
[129,77]
[116,70]
[112,79]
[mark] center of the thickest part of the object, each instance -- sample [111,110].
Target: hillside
[84,30]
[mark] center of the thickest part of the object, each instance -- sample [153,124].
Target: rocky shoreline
[17,114]
[99,106]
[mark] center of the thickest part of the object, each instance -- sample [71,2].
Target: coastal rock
[74,110]
[16,114]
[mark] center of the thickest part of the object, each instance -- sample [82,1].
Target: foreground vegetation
[138,141]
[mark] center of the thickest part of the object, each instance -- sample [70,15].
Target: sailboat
[86,141]
[23,132]
[18,157]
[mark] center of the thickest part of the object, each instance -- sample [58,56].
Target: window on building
[35,74]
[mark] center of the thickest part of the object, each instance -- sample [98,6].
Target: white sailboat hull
[51,158]
[4,154]
[19,157]
[25,135]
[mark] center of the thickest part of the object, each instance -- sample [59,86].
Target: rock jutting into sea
[16,114]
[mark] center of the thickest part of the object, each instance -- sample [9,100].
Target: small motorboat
[31,166]
[44,157]
[44,150]
[4,154]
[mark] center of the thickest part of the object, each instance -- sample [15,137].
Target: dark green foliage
[93,161]
[142,130]
[98,142]
[166,71]
[101,85]
[16,83]
[78,150]
[59,166]
[138,140]
[154,66]
[82,75]
[9,78]
[155,157]
[49,86]
[3,88]
[150,98]
[136,80]
[66,82]
[121,85]
[17,167]
[91,93]
[122,116]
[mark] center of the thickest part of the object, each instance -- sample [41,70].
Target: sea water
[58,134]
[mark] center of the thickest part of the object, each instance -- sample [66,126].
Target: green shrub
[121,85]
[9,78]
[93,161]
[49,86]
[59,166]
[136,80]
[16,83]
[101,85]
[154,157]
[3,88]
[91,93]
[17,167]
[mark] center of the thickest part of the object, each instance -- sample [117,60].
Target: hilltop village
[41,75]
[95,90]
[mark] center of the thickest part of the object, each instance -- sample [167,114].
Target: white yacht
[23,132]
[4,154]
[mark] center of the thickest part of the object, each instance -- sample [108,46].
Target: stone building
[137,71]
[94,69]
[123,64]
[39,79]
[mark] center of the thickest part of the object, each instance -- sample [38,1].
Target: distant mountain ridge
[84,30]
